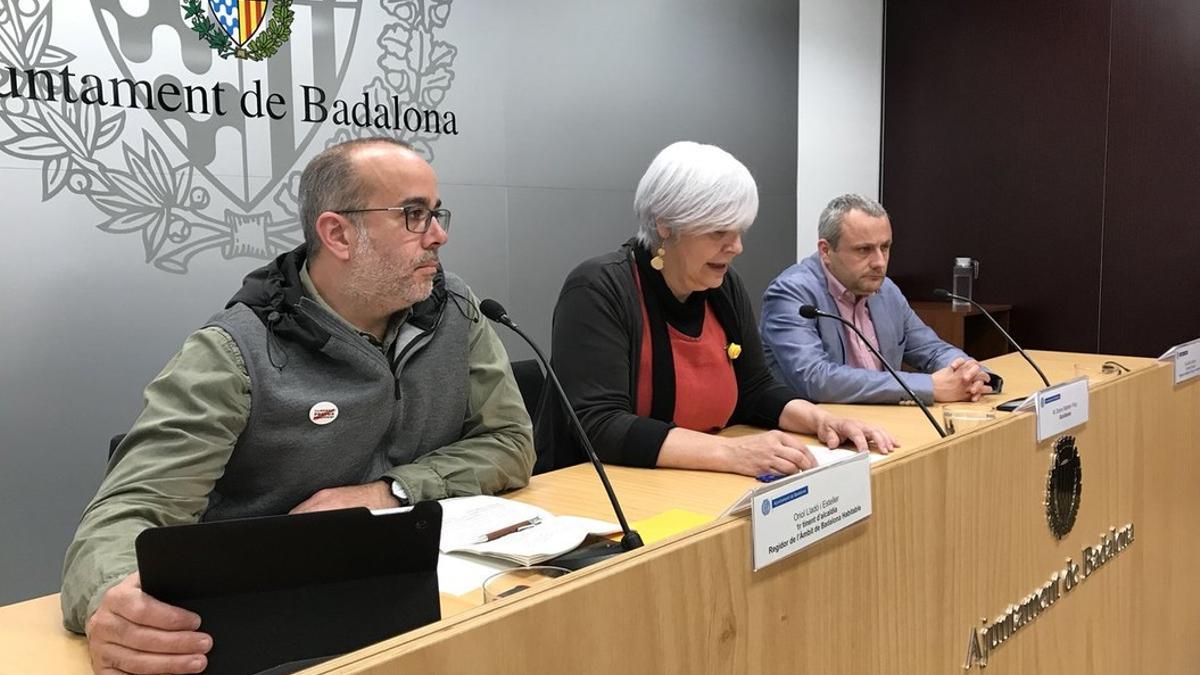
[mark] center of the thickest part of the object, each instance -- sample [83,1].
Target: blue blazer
[810,354]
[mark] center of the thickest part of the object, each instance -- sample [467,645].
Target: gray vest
[388,414]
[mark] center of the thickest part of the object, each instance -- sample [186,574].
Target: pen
[515,527]
[768,477]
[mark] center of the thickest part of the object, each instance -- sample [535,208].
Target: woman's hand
[771,452]
[834,430]
[804,417]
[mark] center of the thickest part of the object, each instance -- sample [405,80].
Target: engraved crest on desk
[1064,485]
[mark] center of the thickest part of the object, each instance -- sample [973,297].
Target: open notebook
[468,520]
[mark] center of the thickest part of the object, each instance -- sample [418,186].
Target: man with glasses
[351,371]
[847,276]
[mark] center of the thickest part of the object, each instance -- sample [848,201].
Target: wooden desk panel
[33,640]
[958,533]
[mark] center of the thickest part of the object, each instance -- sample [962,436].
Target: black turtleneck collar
[686,317]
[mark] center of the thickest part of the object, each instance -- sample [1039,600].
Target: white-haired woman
[657,346]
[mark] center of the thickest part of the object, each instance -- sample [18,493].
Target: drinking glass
[503,584]
[958,419]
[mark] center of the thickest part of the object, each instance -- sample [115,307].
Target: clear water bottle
[966,271]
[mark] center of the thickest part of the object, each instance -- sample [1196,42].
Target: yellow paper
[669,523]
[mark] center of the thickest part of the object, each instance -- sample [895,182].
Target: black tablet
[297,589]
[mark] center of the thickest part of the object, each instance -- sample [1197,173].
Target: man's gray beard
[379,282]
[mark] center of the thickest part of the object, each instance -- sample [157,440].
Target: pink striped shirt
[853,308]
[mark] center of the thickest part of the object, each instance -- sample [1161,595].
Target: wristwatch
[398,491]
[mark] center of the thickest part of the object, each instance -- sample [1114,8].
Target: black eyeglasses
[417,218]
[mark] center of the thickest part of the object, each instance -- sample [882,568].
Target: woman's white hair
[694,189]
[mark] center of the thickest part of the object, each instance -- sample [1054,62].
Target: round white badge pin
[323,413]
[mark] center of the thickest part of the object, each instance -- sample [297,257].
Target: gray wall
[840,103]
[560,106]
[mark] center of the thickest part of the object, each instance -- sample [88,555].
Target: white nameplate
[1028,404]
[1061,407]
[1187,360]
[804,508]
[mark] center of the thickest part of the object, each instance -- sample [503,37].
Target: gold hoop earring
[657,261]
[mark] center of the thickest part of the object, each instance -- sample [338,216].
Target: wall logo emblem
[1064,486]
[243,28]
[192,151]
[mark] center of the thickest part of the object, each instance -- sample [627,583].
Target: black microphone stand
[810,312]
[590,554]
[944,294]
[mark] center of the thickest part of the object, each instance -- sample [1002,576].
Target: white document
[826,456]
[467,520]
[798,511]
[460,573]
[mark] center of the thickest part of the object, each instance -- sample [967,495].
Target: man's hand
[962,380]
[375,495]
[834,430]
[131,632]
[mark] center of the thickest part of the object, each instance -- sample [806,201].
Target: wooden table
[958,532]
[968,329]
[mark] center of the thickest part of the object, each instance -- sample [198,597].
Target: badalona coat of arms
[243,28]
[194,134]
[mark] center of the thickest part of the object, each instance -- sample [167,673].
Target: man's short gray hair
[330,183]
[829,227]
[696,189]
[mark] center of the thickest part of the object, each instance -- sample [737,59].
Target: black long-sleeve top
[596,338]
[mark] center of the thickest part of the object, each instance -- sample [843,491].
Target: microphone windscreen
[941,293]
[808,311]
[492,309]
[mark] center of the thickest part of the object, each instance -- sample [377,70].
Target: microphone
[584,556]
[810,312]
[943,294]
